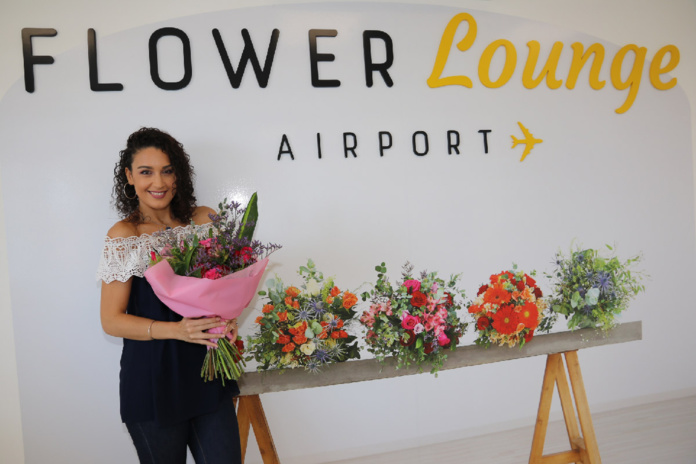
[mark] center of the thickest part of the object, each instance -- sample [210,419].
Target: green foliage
[590,289]
[251,214]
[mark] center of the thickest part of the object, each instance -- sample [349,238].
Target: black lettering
[452,145]
[485,138]
[285,148]
[425,139]
[94,83]
[154,66]
[371,66]
[248,54]
[319,144]
[28,53]
[315,57]
[382,146]
[351,148]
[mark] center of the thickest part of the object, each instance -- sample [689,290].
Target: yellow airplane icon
[529,141]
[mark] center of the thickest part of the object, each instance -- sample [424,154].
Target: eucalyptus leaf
[592,296]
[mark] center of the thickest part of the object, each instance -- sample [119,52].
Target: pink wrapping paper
[193,297]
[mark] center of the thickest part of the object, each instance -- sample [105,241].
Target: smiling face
[153,177]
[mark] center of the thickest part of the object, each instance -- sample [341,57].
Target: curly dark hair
[184,202]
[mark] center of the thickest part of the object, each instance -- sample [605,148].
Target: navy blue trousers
[212,438]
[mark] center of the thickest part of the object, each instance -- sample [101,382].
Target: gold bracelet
[149,330]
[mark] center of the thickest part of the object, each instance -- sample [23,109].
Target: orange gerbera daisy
[529,315]
[505,320]
[496,295]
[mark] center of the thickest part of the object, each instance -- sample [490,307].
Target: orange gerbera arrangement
[305,325]
[508,310]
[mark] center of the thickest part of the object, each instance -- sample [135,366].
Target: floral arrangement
[305,326]
[591,290]
[416,320]
[213,276]
[227,248]
[508,309]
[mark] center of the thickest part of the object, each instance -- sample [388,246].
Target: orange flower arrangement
[508,310]
[305,325]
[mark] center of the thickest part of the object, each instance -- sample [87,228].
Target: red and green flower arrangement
[306,326]
[508,309]
[414,321]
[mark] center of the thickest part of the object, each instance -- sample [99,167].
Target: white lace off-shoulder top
[125,257]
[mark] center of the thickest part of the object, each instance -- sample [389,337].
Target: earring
[125,193]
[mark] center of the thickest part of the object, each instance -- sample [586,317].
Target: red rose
[418,299]
[427,348]
[537,292]
[482,323]
[482,289]
[411,339]
[239,344]
[520,285]
[531,282]
[450,300]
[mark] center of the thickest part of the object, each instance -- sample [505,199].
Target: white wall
[649,24]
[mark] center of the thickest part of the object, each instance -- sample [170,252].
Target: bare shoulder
[122,229]
[202,215]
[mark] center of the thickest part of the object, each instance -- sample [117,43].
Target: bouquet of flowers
[591,290]
[216,275]
[414,321]
[508,309]
[304,326]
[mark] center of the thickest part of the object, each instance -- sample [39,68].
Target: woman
[165,403]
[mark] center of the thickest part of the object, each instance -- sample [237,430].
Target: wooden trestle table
[560,349]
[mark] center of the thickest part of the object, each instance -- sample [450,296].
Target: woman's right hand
[194,330]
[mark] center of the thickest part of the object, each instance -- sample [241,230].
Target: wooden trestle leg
[250,414]
[583,447]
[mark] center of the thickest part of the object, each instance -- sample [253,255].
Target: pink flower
[212,274]
[207,243]
[367,319]
[166,250]
[442,339]
[245,253]
[412,285]
[418,328]
[409,322]
[153,256]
